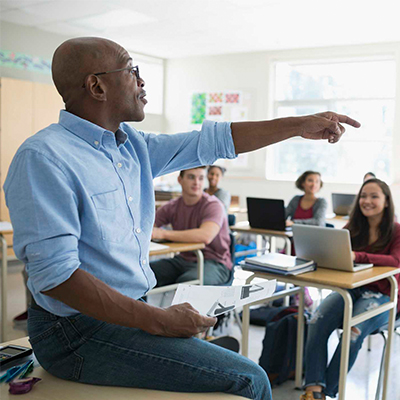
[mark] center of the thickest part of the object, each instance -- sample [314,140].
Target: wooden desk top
[50,388]
[246,228]
[332,277]
[175,247]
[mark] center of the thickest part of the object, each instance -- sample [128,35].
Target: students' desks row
[170,248]
[54,388]
[338,281]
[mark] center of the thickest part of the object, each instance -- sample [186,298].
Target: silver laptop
[328,247]
[342,203]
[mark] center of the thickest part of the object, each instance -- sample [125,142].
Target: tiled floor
[361,383]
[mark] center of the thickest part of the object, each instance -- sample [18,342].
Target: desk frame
[348,322]
[4,268]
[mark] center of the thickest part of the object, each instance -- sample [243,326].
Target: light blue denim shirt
[82,197]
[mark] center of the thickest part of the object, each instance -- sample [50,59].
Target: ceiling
[183,28]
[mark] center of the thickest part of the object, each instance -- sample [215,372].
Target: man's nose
[141,82]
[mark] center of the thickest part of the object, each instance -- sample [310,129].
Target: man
[81,202]
[195,217]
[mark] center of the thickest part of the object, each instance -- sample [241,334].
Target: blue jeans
[177,270]
[82,349]
[327,318]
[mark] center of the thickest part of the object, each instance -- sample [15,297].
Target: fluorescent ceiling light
[113,19]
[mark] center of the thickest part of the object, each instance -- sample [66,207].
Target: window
[363,89]
[152,71]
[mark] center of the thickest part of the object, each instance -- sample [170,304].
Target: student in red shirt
[307,209]
[375,239]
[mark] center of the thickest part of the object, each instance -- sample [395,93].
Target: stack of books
[277,263]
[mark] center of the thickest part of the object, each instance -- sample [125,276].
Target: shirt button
[130,198]
[138,230]
[96,142]
[119,165]
[144,261]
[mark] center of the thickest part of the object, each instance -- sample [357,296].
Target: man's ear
[96,88]
[179,179]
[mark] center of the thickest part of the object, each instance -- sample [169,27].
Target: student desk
[175,247]
[3,283]
[172,248]
[338,281]
[244,227]
[50,388]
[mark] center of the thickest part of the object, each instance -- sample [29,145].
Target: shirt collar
[87,131]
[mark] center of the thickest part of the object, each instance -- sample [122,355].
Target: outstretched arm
[249,136]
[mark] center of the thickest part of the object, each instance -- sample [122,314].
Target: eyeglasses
[132,70]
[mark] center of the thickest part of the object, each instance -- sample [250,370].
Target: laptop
[342,203]
[267,214]
[328,247]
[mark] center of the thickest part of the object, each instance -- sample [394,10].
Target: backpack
[278,357]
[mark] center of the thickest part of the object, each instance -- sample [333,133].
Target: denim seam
[207,370]
[45,334]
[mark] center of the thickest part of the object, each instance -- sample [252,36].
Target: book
[279,261]
[260,268]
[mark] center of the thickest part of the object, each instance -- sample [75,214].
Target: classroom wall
[37,43]
[250,73]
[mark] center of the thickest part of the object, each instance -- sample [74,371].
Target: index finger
[347,120]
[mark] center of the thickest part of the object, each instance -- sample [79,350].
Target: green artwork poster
[198,108]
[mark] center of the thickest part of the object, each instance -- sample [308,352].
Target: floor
[361,382]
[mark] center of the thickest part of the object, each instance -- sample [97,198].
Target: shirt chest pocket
[112,215]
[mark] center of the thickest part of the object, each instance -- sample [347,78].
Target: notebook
[279,261]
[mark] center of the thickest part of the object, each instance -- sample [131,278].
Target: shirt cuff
[217,136]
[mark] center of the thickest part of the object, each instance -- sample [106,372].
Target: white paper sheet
[5,226]
[157,246]
[216,300]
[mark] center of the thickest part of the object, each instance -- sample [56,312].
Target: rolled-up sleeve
[44,213]
[169,153]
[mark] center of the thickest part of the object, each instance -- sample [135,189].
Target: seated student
[214,175]
[375,239]
[368,176]
[307,209]
[195,217]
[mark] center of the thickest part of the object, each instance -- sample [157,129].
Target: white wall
[250,73]
[37,43]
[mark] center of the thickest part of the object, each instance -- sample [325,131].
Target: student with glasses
[81,201]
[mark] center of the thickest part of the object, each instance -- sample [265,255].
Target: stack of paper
[277,263]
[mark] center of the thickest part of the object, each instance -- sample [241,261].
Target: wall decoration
[218,106]
[25,62]
[217,97]
[198,114]
[232,98]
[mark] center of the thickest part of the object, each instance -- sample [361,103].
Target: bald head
[76,58]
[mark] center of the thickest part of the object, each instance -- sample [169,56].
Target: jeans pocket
[53,350]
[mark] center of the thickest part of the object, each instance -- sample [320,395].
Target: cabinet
[25,108]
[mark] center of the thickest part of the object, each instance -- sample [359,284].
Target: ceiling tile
[23,18]
[62,10]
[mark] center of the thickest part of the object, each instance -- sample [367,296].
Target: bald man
[81,202]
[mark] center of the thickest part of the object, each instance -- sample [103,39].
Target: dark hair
[222,169]
[369,173]
[359,226]
[183,171]
[302,178]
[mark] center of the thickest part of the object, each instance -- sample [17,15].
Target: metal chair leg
[369,342]
[379,386]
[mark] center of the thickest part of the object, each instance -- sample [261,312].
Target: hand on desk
[353,256]
[289,222]
[158,233]
[182,320]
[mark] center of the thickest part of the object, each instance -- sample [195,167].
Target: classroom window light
[363,89]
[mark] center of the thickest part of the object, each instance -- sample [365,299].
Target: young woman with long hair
[375,238]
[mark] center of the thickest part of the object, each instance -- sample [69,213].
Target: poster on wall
[230,106]
[217,106]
